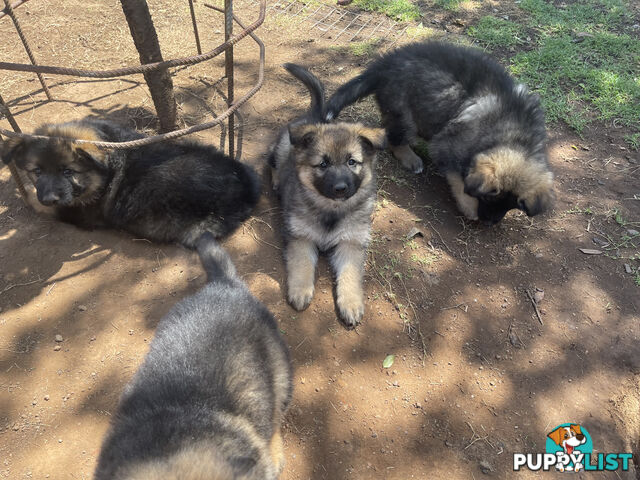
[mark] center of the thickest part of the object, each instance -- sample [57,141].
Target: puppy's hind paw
[415,165]
[300,297]
[408,158]
[351,310]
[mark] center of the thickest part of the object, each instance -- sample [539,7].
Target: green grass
[633,140]
[583,63]
[402,10]
[496,32]
[583,66]
[448,4]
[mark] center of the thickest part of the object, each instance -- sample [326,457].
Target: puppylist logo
[570,449]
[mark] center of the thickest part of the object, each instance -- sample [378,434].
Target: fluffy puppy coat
[209,399]
[325,177]
[166,192]
[486,133]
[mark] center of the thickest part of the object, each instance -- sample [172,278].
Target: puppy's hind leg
[400,132]
[347,261]
[301,257]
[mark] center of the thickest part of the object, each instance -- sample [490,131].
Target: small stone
[418,405]
[600,242]
[46,398]
[539,255]
[82,308]
[57,348]
[448,443]
[59,440]
[59,338]
[130,332]
[396,384]
[627,268]
[538,296]
[35,402]
[485,467]
[633,232]
[498,357]
[493,384]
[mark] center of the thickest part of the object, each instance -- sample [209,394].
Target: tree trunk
[146,41]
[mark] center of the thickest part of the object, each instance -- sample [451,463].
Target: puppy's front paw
[351,309]
[408,158]
[300,296]
[414,164]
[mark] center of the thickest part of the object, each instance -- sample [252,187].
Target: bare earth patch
[477,374]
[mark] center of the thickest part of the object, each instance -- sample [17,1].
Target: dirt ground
[478,375]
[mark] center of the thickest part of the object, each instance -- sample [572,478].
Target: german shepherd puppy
[325,175]
[166,192]
[208,401]
[486,133]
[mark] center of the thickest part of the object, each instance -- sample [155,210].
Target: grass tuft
[583,65]
[496,32]
[402,10]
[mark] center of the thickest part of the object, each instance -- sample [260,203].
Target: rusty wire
[5,10]
[120,72]
[247,31]
[9,9]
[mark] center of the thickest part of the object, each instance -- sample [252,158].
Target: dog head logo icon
[572,440]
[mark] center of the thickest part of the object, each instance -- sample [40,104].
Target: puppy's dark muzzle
[49,198]
[340,190]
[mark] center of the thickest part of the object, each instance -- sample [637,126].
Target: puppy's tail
[215,260]
[350,92]
[315,87]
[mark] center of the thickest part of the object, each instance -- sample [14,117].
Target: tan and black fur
[167,192]
[326,179]
[486,133]
[210,397]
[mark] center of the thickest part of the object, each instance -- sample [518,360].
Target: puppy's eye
[325,162]
[37,171]
[351,162]
[67,172]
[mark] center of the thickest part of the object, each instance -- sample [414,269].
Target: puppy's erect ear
[536,203]
[303,135]
[483,179]
[372,139]
[557,435]
[576,429]
[90,154]
[12,148]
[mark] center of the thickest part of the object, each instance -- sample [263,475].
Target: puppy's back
[217,378]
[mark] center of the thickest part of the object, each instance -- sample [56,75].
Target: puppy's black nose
[580,436]
[50,199]
[340,188]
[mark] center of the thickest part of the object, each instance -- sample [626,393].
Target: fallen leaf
[388,361]
[414,232]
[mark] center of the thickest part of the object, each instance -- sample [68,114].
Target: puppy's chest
[327,229]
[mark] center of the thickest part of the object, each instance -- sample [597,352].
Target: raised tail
[315,87]
[350,92]
[215,260]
